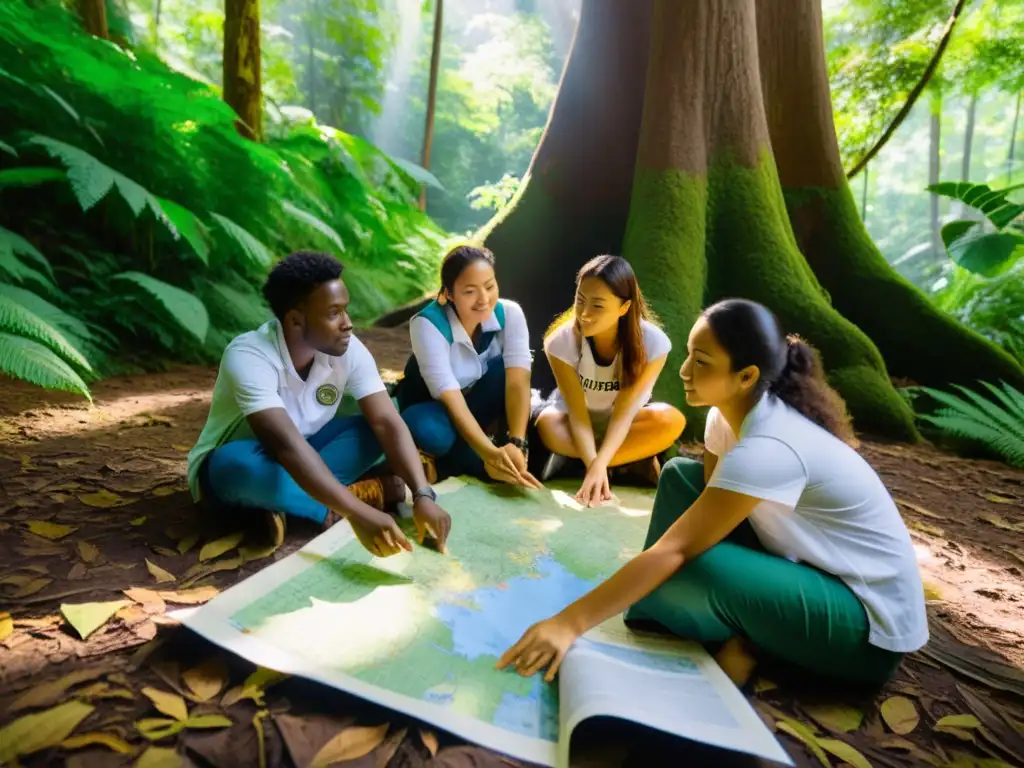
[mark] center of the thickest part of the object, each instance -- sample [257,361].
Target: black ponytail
[789,367]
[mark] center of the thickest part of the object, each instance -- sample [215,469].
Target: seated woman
[606,353]
[469,372]
[832,576]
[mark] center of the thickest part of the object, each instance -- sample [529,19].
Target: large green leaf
[318,224]
[18,319]
[30,177]
[991,202]
[188,311]
[55,316]
[418,173]
[26,359]
[984,253]
[186,224]
[8,149]
[254,250]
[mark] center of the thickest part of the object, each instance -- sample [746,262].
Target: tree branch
[914,94]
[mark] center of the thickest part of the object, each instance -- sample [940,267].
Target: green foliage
[994,307]
[169,267]
[997,424]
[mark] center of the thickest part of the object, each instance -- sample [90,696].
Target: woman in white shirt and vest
[783,544]
[469,373]
[606,354]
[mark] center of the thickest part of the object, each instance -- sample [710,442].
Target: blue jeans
[241,473]
[433,431]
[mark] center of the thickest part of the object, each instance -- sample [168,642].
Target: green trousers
[789,611]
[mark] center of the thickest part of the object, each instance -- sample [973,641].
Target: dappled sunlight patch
[376,626]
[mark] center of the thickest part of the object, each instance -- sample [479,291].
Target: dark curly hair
[790,368]
[296,276]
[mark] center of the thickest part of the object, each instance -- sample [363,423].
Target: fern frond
[90,179]
[18,320]
[254,250]
[188,311]
[1007,446]
[248,309]
[962,407]
[28,360]
[8,149]
[12,246]
[996,413]
[30,177]
[55,316]
[1012,399]
[182,222]
[318,224]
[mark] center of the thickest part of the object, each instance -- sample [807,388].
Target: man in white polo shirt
[272,440]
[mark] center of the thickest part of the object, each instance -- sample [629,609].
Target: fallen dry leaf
[164,551]
[763,685]
[33,586]
[219,546]
[388,748]
[931,530]
[78,571]
[958,721]
[89,553]
[6,625]
[208,721]
[41,730]
[147,598]
[190,596]
[48,693]
[109,740]
[187,543]
[102,499]
[138,521]
[158,573]
[208,679]
[353,742]
[261,747]
[844,752]
[836,717]
[250,553]
[1000,522]
[159,757]
[16,580]
[919,509]
[999,498]
[170,704]
[86,618]
[51,531]
[254,687]
[429,741]
[103,691]
[959,733]
[182,448]
[900,714]
[804,734]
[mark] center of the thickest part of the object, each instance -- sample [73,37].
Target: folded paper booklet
[421,632]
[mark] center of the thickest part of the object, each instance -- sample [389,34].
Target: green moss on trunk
[918,341]
[694,241]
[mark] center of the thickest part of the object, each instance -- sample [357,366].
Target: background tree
[94,17]
[435,61]
[241,77]
[716,170]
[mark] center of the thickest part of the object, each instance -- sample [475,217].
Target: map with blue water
[431,627]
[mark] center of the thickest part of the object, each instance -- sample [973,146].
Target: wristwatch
[426,491]
[519,442]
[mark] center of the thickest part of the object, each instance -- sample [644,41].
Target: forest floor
[93,502]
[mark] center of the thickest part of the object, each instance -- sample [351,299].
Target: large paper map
[421,631]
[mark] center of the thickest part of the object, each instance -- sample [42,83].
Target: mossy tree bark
[736,190]
[241,65]
[918,342]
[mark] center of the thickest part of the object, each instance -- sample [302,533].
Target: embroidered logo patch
[327,394]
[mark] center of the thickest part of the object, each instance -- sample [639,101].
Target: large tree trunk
[918,342]
[241,73]
[574,199]
[737,149]
[94,17]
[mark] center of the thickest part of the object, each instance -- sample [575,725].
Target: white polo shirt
[445,366]
[825,506]
[256,373]
[601,383]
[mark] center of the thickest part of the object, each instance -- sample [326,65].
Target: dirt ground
[93,502]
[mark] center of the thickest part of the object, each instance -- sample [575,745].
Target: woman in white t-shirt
[826,579]
[606,354]
[468,373]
